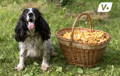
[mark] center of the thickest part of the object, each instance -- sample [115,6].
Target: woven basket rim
[58,35]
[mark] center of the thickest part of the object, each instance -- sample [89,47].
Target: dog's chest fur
[33,46]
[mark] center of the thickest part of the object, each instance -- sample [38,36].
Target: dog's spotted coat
[34,41]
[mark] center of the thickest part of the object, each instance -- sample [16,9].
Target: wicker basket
[85,55]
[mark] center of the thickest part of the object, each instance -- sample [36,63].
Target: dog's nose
[30,14]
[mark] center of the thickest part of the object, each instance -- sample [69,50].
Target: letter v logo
[104,7]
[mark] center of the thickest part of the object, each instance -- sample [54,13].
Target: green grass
[56,17]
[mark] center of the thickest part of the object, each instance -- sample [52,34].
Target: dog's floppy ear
[20,30]
[42,26]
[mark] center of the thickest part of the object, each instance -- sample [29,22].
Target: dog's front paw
[44,67]
[19,67]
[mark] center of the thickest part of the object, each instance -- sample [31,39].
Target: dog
[32,33]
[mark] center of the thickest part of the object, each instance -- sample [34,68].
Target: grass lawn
[58,18]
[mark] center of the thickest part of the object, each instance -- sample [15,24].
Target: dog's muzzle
[31,21]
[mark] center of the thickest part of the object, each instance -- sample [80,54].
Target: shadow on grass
[110,57]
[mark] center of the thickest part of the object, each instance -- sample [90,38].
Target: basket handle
[77,18]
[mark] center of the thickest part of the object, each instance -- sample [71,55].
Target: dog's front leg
[46,55]
[22,55]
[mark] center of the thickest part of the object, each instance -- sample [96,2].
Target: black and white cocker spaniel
[33,34]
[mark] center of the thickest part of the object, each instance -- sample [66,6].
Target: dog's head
[31,20]
[30,15]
